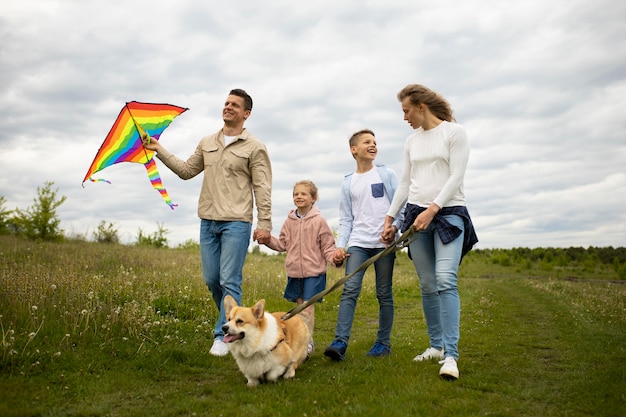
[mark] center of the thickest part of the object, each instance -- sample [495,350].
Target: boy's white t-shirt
[370,204]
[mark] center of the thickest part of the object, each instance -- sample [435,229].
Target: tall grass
[113,330]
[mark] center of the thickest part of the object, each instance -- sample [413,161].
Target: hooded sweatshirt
[309,244]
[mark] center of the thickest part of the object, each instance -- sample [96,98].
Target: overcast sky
[539,85]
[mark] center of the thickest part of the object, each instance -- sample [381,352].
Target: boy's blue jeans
[437,267]
[352,289]
[223,250]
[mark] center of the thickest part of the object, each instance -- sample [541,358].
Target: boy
[365,199]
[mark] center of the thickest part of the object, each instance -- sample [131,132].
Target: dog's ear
[258,310]
[229,304]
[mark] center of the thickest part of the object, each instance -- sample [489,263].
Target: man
[237,172]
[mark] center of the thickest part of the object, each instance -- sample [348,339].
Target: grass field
[109,330]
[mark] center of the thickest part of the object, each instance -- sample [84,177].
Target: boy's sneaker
[428,354]
[219,348]
[449,370]
[336,351]
[379,350]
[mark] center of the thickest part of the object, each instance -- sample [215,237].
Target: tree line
[40,221]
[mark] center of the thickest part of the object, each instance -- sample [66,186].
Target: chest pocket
[378,190]
[236,160]
[210,155]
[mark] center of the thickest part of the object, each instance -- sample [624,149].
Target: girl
[310,244]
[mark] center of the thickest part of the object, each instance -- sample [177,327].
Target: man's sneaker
[379,350]
[449,370]
[430,353]
[310,348]
[336,351]
[219,348]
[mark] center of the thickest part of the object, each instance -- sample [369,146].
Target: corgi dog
[264,346]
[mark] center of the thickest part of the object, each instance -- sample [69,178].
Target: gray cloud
[539,86]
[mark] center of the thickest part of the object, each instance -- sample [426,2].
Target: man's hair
[355,136]
[247,100]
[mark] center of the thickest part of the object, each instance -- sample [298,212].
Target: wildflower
[57,354]
[53,287]
[84,312]
[34,308]
[32,335]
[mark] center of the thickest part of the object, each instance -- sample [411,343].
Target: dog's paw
[253,382]
[290,372]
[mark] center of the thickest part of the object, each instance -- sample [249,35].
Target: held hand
[339,256]
[261,236]
[389,233]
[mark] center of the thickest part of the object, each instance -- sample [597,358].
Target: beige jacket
[235,177]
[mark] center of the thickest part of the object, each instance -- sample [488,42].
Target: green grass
[109,330]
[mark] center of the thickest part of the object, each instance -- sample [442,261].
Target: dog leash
[402,242]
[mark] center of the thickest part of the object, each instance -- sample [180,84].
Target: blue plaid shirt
[447,232]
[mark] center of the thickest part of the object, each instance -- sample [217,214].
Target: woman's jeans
[352,289]
[437,267]
[223,250]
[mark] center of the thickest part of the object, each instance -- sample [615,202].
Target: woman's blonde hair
[433,100]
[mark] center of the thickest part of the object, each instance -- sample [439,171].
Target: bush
[40,221]
[4,217]
[156,239]
[106,234]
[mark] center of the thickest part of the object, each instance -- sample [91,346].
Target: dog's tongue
[231,338]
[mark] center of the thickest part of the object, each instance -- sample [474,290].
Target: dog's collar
[279,342]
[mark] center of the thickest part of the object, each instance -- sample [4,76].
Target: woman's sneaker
[449,370]
[430,353]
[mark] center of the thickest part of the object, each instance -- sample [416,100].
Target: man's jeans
[223,250]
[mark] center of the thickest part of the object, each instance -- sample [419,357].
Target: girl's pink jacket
[309,244]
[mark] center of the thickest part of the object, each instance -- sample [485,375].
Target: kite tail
[99,180]
[157,184]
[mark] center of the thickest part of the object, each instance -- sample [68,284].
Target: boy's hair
[247,100]
[355,136]
[435,101]
[311,185]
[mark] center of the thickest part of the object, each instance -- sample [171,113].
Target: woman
[435,158]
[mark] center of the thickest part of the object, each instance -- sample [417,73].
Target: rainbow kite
[123,143]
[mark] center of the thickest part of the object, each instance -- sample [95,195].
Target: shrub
[156,239]
[106,234]
[4,216]
[40,221]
